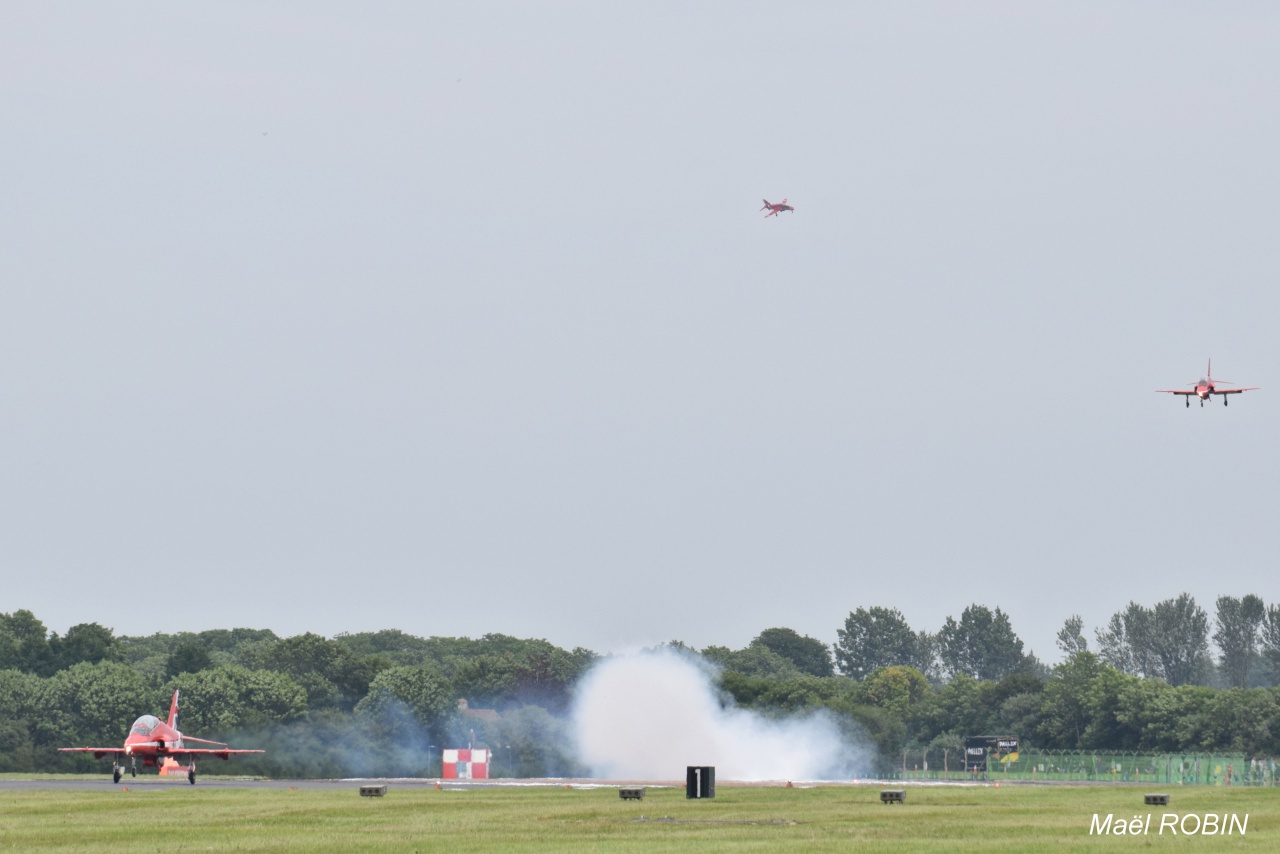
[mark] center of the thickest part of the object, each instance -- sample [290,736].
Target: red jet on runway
[1206,388]
[774,210]
[158,743]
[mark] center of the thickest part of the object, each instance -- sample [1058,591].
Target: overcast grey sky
[462,318]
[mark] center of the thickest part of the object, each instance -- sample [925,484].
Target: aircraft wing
[1176,391]
[98,752]
[1234,390]
[220,754]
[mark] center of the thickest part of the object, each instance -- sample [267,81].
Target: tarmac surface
[153,782]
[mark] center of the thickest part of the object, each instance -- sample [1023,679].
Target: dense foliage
[386,702]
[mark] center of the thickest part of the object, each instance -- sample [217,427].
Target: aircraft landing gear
[191,773]
[116,773]
[1202,403]
[1188,399]
[1225,399]
[133,768]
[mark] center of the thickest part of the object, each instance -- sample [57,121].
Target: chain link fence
[1096,766]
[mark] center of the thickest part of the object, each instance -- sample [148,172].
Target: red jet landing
[157,743]
[774,210]
[1205,388]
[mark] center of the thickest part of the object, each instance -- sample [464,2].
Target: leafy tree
[9,658]
[530,742]
[400,648]
[20,695]
[1271,642]
[1179,640]
[789,696]
[226,699]
[809,655]
[1107,729]
[224,640]
[1021,714]
[754,660]
[1023,682]
[1126,643]
[547,674]
[877,637]
[188,657]
[1070,637]
[31,652]
[799,695]
[1164,717]
[150,654]
[982,645]
[404,700]
[330,672]
[488,681]
[1064,701]
[896,688]
[91,704]
[83,642]
[1243,721]
[1017,699]
[963,705]
[1238,622]
[544,673]
[1169,641]
[674,646]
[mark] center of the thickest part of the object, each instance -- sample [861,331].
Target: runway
[145,782]
[152,782]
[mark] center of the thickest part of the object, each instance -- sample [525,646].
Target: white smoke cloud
[650,715]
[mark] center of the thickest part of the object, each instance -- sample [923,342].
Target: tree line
[386,702]
[1167,641]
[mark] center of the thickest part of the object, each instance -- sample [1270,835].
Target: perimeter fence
[1188,769]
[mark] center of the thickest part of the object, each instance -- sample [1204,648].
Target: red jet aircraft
[157,742]
[774,210]
[1206,388]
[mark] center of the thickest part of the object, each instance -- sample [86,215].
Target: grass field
[747,818]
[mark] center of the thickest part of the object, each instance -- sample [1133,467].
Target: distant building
[486,715]
[465,764]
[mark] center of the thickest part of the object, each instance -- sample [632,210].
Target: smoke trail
[648,716]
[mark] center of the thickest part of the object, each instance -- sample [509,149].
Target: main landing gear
[191,773]
[117,770]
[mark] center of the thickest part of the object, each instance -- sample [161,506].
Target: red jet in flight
[774,210]
[157,742]
[1206,388]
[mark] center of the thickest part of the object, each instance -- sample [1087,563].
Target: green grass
[774,819]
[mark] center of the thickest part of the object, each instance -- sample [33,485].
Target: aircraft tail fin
[766,204]
[173,711]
